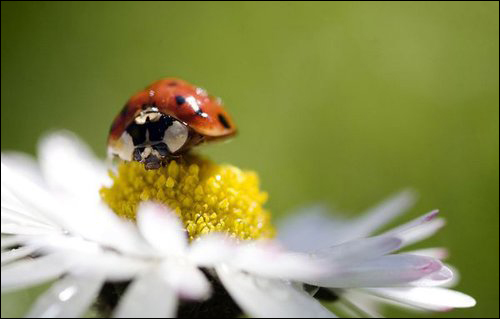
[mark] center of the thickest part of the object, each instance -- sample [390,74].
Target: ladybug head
[152,137]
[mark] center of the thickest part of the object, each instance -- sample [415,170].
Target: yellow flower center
[206,196]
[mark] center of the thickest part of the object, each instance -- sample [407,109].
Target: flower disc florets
[206,196]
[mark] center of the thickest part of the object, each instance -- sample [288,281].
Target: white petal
[375,301]
[149,296]
[438,299]
[211,249]
[12,206]
[359,250]
[439,278]
[25,273]
[267,259]
[12,241]
[62,243]
[440,253]
[98,223]
[360,305]
[89,259]
[67,298]
[15,229]
[188,281]
[309,229]
[17,253]
[113,266]
[346,311]
[414,223]
[161,228]
[386,271]
[35,199]
[75,214]
[417,229]
[68,165]
[23,163]
[423,232]
[13,217]
[267,298]
[453,281]
[380,215]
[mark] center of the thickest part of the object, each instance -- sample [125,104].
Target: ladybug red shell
[165,120]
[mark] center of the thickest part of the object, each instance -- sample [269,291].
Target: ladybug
[166,120]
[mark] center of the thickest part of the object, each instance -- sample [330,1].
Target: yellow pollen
[206,196]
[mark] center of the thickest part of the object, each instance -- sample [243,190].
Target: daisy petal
[13,217]
[161,228]
[360,306]
[439,278]
[316,229]
[99,224]
[114,267]
[440,253]
[23,163]
[12,241]
[417,229]
[414,223]
[25,273]
[68,165]
[35,199]
[73,217]
[15,229]
[431,298]
[386,271]
[211,249]
[12,207]
[267,259]
[267,298]
[188,281]
[18,253]
[380,215]
[89,258]
[453,281]
[310,229]
[149,296]
[359,250]
[69,297]
[422,232]
[365,296]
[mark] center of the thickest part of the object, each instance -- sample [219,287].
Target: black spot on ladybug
[223,121]
[179,99]
[173,83]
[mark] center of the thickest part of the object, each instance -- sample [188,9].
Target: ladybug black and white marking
[165,120]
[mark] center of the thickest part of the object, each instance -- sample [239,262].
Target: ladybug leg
[152,162]
[137,155]
[162,149]
[147,155]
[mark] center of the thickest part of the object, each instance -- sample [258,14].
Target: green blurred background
[337,102]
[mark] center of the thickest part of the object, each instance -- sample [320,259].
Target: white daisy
[55,227]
